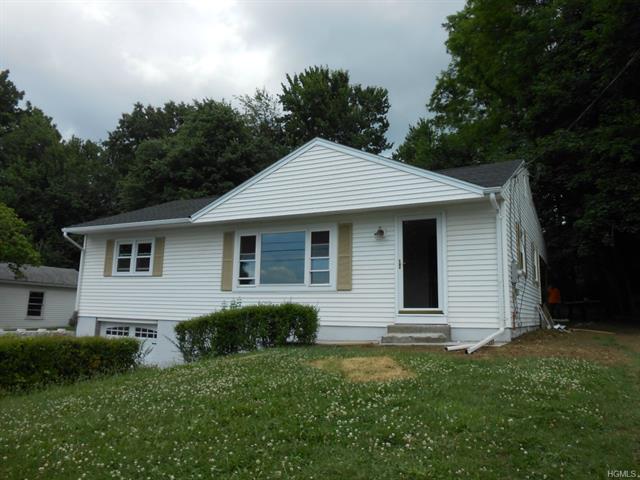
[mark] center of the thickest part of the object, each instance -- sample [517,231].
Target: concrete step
[414,338]
[419,328]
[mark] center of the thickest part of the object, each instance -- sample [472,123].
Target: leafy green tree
[10,97]
[15,247]
[213,151]
[320,102]
[49,182]
[262,113]
[142,124]
[521,74]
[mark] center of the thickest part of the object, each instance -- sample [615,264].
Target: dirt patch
[602,348]
[365,369]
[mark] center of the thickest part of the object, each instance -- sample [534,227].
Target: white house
[385,250]
[42,297]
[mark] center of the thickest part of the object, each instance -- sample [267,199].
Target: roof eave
[126,226]
[7,281]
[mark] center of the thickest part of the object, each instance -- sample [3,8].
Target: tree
[10,97]
[262,113]
[320,102]
[521,74]
[49,182]
[15,247]
[213,151]
[142,124]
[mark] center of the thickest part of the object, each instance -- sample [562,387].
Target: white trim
[283,288]
[126,320]
[131,225]
[439,313]
[470,187]
[36,284]
[134,255]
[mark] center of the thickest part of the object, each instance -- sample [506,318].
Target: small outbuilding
[41,297]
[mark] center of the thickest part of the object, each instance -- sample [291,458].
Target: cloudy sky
[84,63]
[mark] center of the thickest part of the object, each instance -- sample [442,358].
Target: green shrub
[27,362]
[246,328]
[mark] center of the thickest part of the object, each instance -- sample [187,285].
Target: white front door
[420,270]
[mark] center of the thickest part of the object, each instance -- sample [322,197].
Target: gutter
[123,226]
[472,348]
[485,340]
[66,236]
[82,249]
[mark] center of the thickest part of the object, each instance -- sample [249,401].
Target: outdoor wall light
[379,234]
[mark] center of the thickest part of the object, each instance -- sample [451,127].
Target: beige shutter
[345,247]
[227,261]
[158,257]
[108,258]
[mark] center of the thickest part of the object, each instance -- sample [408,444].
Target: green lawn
[272,415]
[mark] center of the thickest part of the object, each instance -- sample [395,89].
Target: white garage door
[145,332]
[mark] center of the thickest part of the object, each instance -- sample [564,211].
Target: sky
[86,63]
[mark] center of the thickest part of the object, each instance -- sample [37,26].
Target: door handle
[399,264]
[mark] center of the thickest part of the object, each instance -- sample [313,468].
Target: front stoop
[409,334]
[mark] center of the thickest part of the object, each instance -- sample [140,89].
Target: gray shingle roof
[486,175]
[62,277]
[165,211]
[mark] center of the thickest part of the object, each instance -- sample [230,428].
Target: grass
[295,413]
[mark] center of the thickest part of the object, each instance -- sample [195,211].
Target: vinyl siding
[519,208]
[472,266]
[323,180]
[57,308]
[190,284]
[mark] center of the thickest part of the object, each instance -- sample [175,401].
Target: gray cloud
[86,63]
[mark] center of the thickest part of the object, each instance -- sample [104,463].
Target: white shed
[42,297]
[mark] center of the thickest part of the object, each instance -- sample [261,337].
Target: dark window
[247,274]
[319,258]
[34,307]
[125,251]
[143,257]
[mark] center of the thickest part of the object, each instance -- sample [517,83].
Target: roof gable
[322,177]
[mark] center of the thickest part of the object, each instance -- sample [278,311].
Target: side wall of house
[57,307]
[191,280]
[520,210]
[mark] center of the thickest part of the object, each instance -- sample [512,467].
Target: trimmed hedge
[27,362]
[246,328]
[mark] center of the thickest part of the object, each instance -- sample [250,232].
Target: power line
[595,100]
